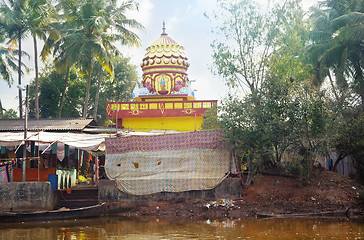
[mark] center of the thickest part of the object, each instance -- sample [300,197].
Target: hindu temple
[165,101]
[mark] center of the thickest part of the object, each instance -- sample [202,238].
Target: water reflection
[121,228]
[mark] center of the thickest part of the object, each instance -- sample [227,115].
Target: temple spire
[164,28]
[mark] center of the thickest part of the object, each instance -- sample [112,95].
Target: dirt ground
[272,195]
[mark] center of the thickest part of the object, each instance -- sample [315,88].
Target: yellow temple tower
[166,100]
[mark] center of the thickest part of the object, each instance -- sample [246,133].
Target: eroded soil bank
[271,195]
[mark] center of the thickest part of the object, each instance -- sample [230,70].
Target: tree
[55,43]
[346,133]
[117,88]
[51,84]
[50,87]
[97,95]
[282,113]
[249,36]
[210,119]
[281,116]
[21,17]
[337,54]
[92,36]
[289,60]
[12,21]
[337,45]
[38,20]
[7,114]
[7,64]
[1,109]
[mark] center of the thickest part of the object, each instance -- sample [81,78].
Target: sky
[185,23]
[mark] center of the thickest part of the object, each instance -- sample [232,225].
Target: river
[122,228]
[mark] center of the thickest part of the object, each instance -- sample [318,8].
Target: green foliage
[347,134]
[13,15]
[7,114]
[90,34]
[13,18]
[286,120]
[290,61]
[50,88]
[118,88]
[39,20]
[51,84]
[75,32]
[337,45]
[280,116]
[7,64]
[10,114]
[249,34]
[337,53]
[210,120]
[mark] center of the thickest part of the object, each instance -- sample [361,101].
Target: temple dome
[166,46]
[164,67]
[164,39]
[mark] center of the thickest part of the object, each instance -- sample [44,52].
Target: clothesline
[15,160]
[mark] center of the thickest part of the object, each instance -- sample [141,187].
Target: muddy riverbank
[326,193]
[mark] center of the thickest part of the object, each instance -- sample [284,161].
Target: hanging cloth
[4,176]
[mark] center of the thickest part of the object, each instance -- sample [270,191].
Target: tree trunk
[87,88]
[333,85]
[338,160]
[36,78]
[63,92]
[19,77]
[97,94]
[250,172]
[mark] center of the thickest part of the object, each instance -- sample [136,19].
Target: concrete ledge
[117,200]
[26,196]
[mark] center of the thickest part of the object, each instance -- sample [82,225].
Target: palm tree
[38,21]
[337,44]
[338,48]
[91,36]
[97,95]
[21,17]
[13,13]
[7,63]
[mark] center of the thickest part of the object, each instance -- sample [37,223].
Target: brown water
[121,228]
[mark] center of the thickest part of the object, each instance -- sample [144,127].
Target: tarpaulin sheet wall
[167,163]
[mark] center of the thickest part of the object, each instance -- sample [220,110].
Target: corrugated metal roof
[45,124]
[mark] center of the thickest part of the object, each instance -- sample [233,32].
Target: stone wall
[117,200]
[26,196]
